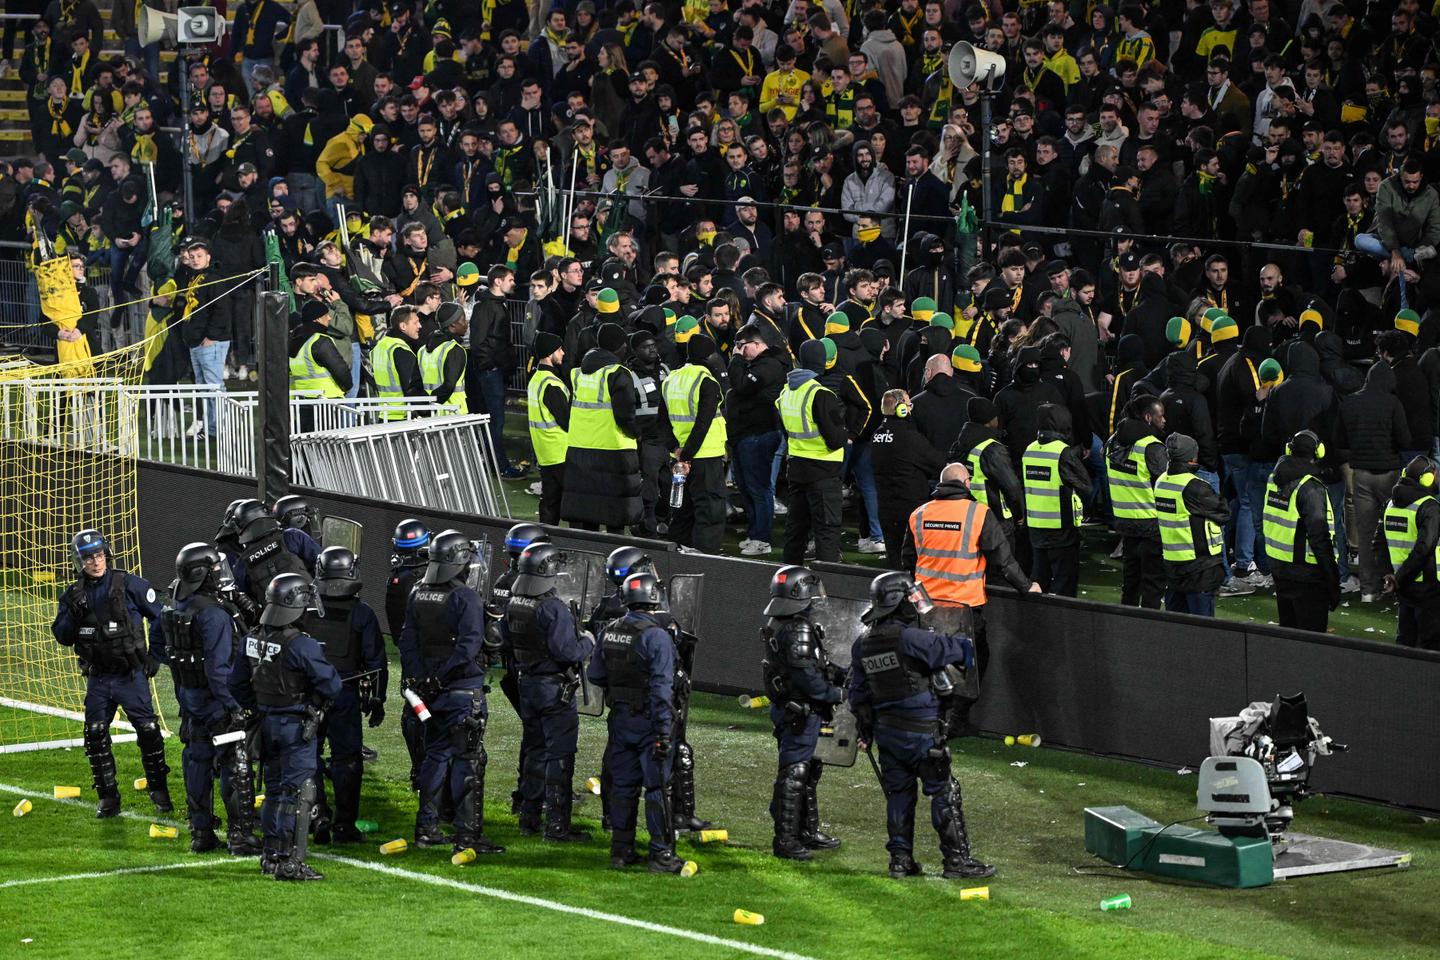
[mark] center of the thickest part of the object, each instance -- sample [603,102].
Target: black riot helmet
[536,570]
[792,590]
[199,568]
[337,573]
[891,592]
[410,539]
[228,530]
[253,521]
[450,553]
[520,536]
[294,511]
[624,561]
[641,591]
[288,598]
[86,543]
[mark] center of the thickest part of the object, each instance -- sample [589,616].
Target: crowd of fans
[1229,207]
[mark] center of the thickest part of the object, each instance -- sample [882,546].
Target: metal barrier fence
[444,463]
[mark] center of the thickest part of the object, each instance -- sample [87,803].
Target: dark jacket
[1149,317]
[1372,428]
[1336,370]
[1053,423]
[1235,388]
[906,465]
[1422,558]
[1311,504]
[1413,389]
[490,335]
[754,387]
[1186,410]
[1202,574]
[939,411]
[1019,406]
[1302,402]
[1129,432]
[994,542]
[1000,473]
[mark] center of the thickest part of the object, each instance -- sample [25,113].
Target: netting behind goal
[68,444]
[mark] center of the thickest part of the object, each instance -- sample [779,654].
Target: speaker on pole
[970,64]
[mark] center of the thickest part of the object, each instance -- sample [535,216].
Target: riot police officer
[349,633]
[545,645]
[201,630]
[295,513]
[293,685]
[803,687]
[266,551]
[442,646]
[893,674]
[517,538]
[407,565]
[100,617]
[636,666]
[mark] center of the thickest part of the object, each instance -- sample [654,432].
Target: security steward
[293,685]
[993,482]
[407,565]
[803,687]
[602,459]
[1410,535]
[635,663]
[443,358]
[813,418]
[691,410]
[1055,483]
[1298,524]
[892,694]
[395,362]
[1134,457]
[199,628]
[547,400]
[101,616]
[517,538]
[349,633]
[1192,517]
[442,647]
[548,650]
[315,361]
[266,551]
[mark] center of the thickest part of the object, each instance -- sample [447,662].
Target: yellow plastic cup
[160,832]
[748,918]
[66,793]
[690,869]
[395,846]
[1009,741]
[141,783]
[752,703]
[462,857]
[714,836]
[975,893]
[1028,740]
[23,807]
[593,785]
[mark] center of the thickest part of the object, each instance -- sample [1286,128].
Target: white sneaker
[754,548]
[243,373]
[810,549]
[872,545]
[535,489]
[1350,584]
[1369,597]
[1235,587]
[1260,580]
[1119,552]
[745,543]
[196,427]
[229,373]
[780,509]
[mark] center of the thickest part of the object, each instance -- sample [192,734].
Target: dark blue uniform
[103,620]
[349,634]
[443,642]
[288,676]
[510,679]
[636,665]
[297,543]
[405,573]
[890,670]
[540,637]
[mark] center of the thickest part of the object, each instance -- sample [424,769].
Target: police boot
[666,862]
[682,791]
[102,769]
[810,834]
[152,758]
[202,834]
[955,842]
[347,806]
[622,852]
[289,863]
[787,807]
[470,818]
[322,820]
[558,828]
[240,806]
[903,865]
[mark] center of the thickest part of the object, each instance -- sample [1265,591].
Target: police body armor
[275,683]
[337,635]
[437,639]
[889,674]
[528,642]
[788,640]
[266,559]
[186,646]
[403,577]
[106,639]
[499,600]
[628,678]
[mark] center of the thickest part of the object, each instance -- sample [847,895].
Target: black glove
[152,665]
[377,714]
[237,719]
[661,749]
[428,688]
[834,675]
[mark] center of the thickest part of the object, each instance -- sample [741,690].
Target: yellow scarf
[255,12]
[423,163]
[77,73]
[1013,196]
[59,126]
[512,254]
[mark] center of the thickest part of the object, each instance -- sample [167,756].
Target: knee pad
[684,758]
[97,737]
[795,773]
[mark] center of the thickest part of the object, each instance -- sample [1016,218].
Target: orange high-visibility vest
[948,561]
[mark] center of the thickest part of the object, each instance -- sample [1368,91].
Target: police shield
[840,625]
[341,532]
[580,583]
[477,574]
[684,595]
[955,620]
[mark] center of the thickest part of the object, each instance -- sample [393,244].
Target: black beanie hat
[699,349]
[610,337]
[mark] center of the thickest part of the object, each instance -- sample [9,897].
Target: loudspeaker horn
[971,64]
[155,26]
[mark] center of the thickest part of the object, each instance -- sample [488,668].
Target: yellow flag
[60,302]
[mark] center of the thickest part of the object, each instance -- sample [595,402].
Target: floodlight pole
[987,98]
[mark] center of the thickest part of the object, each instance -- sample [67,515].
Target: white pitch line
[122,871]
[543,904]
[69,802]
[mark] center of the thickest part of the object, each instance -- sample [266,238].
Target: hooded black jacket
[1186,410]
[905,465]
[1336,370]
[1413,389]
[1054,368]
[1129,432]
[1019,406]
[1303,401]
[1053,423]
[1311,504]
[1422,558]
[1372,428]
[1149,317]
[939,410]
[1235,388]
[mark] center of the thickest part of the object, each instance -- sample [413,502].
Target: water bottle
[677,489]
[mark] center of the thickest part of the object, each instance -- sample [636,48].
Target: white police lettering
[262,650]
[269,548]
[429,596]
[879,662]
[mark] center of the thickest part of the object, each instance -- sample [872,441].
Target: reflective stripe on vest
[1132,493]
[592,422]
[1045,493]
[307,373]
[1284,537]
[387,374]
[682,398]
[432,372]
[980,484]
[797,415]
[546,435]
[1402,533]
[1181,540]
[948,561]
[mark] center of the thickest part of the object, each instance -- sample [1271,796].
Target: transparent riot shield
[341,532]
[580,584]
[956,621]
[477,575]
[685,591]
[839,621]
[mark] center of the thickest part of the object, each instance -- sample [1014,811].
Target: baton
[870,755]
